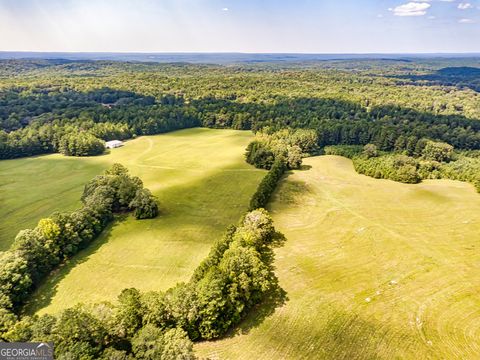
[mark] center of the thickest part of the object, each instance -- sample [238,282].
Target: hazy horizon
[250,27]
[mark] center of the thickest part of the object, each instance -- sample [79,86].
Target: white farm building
[113,144]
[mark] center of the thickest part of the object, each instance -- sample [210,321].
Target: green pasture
[371,269]
[202,183]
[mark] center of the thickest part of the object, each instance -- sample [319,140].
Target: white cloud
[411,9]
[225,9]
[466,21]
[465,6]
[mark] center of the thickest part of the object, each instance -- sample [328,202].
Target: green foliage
[128,313]
[267,186]
[215,254]
[82,144]
[148,343]
[151,343]
[111,353]
[341,108]
[438,151]
[393,167]
[236,276]
[15,279]
[349,151]
[144,204]
[43,327]
[344,107]
[370,150]
[294,157]
[75,123]
[36,252]
[177,345]
[289,144]
[21,331]
[7,322]
[77,333]
[259,155]
[119,189]
[407,169]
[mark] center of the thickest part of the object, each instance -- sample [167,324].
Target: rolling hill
[372,269]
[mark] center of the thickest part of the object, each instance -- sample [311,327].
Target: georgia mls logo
[26,351]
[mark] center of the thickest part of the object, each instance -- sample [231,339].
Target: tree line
[35,115]
[36,252]
[426,160]
[236,275]
[77,124]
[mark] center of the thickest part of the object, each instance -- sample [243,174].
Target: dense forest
[70,107]
[413,121]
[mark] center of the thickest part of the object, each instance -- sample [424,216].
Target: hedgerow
[36,252]
[236,275]
[268,184]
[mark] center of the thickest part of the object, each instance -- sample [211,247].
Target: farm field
[200,178]
[372,269]
[34,187]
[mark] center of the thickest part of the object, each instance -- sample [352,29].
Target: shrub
[370,150]
[152,343]
[290,144]
[400,168]
[144,204]
[128,313]
[294,157]
[438,151]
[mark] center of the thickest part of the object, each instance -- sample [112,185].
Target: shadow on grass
[273,299]
[46,291]
[305,167]
[208,200]
[277,296]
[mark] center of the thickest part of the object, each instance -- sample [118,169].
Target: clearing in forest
[202,183]
[372,269]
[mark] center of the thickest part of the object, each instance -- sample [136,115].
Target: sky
[252,26]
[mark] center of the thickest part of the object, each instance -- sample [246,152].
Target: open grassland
[372,269]
[200,178]
[32,188]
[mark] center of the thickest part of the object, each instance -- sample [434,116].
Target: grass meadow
[372,269]
[202,183]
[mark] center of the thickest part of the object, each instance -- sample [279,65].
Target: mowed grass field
[372,269]
[34,187]
[202,183]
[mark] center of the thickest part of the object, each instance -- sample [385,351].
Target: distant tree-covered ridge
[47,101]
